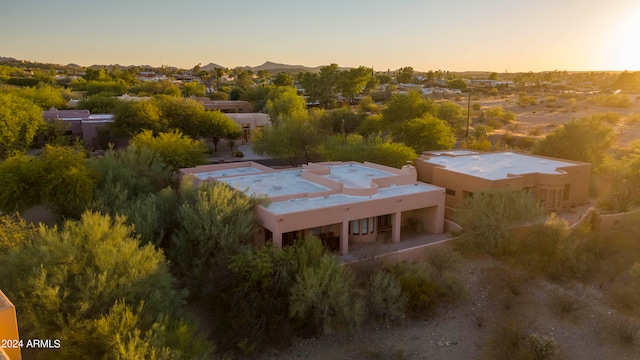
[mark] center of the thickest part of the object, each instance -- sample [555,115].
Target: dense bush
[487,218]
[611,100]
[70,280]
[268,295]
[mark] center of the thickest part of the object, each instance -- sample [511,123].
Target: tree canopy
[20,120]
[176,150]
[585,139]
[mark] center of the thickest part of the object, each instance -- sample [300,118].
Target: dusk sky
[491,35]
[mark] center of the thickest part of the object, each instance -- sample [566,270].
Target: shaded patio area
[384,247]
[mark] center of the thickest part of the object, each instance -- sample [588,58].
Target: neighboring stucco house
[341,203]
[249,123]
[79,123]
[555,183]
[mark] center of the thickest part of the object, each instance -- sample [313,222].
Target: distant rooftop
[494,166]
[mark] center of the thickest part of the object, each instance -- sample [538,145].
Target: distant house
[225,106]
[555,183]
[250,122]
[341,203]
[79,123]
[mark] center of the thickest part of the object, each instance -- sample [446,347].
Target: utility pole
[468,111]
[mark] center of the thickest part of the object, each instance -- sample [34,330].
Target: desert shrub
[609,117]
[621,330]
[565,304]
[633,118]
[14,231]
[610,100]
[444,260]
[425,290]
[512,338]
[526,100]
[385,301]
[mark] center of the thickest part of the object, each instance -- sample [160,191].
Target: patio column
[277,239]
[344,238]
[396,223]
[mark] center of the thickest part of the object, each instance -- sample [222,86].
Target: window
[450,192]
[363,226]
[543,198]
[466,194]
[566,192]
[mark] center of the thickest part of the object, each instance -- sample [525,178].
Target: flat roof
[495,166]
[452,152]
[227,172]
[305,204]
[285,182]
[356,175]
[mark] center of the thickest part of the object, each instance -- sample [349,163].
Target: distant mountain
[211,67]
[273,67]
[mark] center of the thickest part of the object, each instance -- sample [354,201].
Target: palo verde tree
[176,150]
[487,218]
[214,221]
[72,282]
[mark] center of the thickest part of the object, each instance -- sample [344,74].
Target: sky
[462,35]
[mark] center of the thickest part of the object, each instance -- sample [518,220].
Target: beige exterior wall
[9,326]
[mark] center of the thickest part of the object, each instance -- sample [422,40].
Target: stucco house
[341,203]
[555,183]
[79,123]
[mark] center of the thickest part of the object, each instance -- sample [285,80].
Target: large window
[363,226]
[566,192]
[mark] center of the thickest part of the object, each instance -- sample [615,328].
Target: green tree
[194,88]
[353,81]
[406,75]
[216,125]
[215,221]
[404,107]
[131,117]
[283,79]
[181,114]
[150,88]
[268,296]
[488,217]
[135,182]
[296,140]
[108,88]
[176,150]
[59,179]
[99,104]
[327,82]
[373,149]
[20,120]
[68,280]
[428,133]
[283,103]
[585,139]
[453,114]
